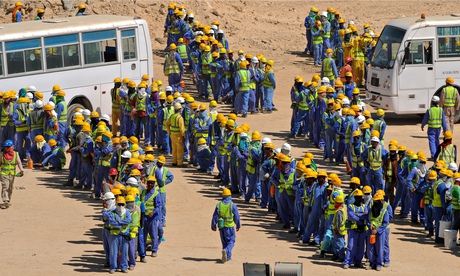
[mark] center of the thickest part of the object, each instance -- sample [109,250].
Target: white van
[411,61]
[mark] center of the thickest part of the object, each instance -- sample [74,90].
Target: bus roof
[29,29]
[413,22]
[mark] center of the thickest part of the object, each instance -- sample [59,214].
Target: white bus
[411,62]
[82,54]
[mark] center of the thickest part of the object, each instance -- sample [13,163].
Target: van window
[23,56]
[420,52]
[100,46]
[128,44]
[448,41]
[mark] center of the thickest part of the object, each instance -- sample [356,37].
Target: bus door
[130,55]
[145,50]
[416,75]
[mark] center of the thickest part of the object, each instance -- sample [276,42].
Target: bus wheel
[457,116]
[71,110]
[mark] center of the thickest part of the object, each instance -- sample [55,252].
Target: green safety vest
[244,80]
[378,125]
[164,174]
[171,65]
[327,68]
[318,39]
[447,154]
[303,105]
[114,93]
[358,54]
[203,134]
[286,184]
[436,196]
[167,112]
[182,50]
[140,104]
[225,212]
[115,231]
[267,82]
[174,123]
[36,120]
[435,117]
[455,192]
[450,96]
[49,130]
[104,161]
[135,222]
[8,167]
[150,202]
[355,159]
[227,140]
[63,117]
[341,224]
[206,59]
[23,113]
[250,166]
[377,221]
[5,114]
[356,209]
[375,158]
[308,199]
[428,196]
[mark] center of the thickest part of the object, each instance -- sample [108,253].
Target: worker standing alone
[450,101]
[8,162]
[176,130]
[226,217]
[435,118]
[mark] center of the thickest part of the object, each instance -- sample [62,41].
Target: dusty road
[52,230]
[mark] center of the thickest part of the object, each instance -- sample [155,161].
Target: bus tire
[75,104]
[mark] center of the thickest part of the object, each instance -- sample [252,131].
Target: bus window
[1,64]
[23,56]
[387,47]
[128,44]
[448,41]
[58,54]
[100,46]
[420,52]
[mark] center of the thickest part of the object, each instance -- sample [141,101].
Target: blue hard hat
[7,143]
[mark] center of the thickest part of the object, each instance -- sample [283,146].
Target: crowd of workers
[108,157]
[19,12]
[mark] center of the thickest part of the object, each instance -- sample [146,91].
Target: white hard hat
[346,101]
[372,33]
[52,104]
[190,15]
[351,22]
[108,196]
[453,167]
[105,117]
[126,154]
[435,99]
[180,100]
[361,119]
[266,140]
[169,88]
[76,114]
[142,93]
[38,104]
[30,95]
[220,31]
[324,13]
[211,31]
[254,60]
[31,88]
[132,182]
[243,135]
[86,112]
[53,113]
[177,106]
[325,80]
[375,139]
[286,149]
[214,27]
[277,150]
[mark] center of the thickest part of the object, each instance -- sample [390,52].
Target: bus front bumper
[377,100]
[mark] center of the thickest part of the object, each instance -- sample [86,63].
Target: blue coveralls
[118,244]
[37,155]
[316,219]
[54,157]
[87,167]
[402,192]
[61,123]
[413,182]
[357,234]
[153,225]
[434,133]
[164,177]
[242,157]
[227,234]
[254,186]
[22,138]
[284,196]
[268,165]
[440,212]
[309,23]
[375,252]
[375,177]
[102,171]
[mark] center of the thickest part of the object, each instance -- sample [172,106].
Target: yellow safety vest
[63,116]
[267,82]
[5,114]
[140,104]
[115,94]
[171,65]
[286,184]
[377,221]
[450,95]
[174,123]
[436,196]
[182,50]
[150,202]
[225,212]
[244,80]
[375,158]
[447,154]
[435,117]
[341,224]
[8,167]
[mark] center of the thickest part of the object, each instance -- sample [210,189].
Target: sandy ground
[53,230]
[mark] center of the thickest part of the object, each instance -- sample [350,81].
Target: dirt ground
[51,229]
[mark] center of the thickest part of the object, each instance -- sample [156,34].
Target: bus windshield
[387,47]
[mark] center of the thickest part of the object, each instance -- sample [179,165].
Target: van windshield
[387,47]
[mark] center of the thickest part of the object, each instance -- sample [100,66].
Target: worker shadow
[324,262]
[94,236]
[411,235]
[304,247]
[297,53]
[92,261]
[193,259]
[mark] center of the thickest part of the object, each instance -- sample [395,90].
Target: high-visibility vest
[104,161]
[164,175]
[308,199]
[204,133]
[436,196]
[150,202]
[5,114]
[250,166]
[8,167]
[23,113]
[115,94]
[167,112]
[171,64]
[140,104]
[450,95]
[317,39]
[357,210]
[267,82]
[303,104]
[206,59]
[455,192]
[174,123]
[286,184]
[63,116]
[375,158]
[116,231]
[342,229]
[447,154]
[377,221]
[244,80]
[36,119]
[135,222]
[227,140]
[435,117]
[356,159]
[428,196]
[182,50]
[327,68]
[378,125]
[225,212]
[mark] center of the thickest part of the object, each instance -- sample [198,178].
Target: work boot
[322,254]
[386,264]
[430,234]
[143,260]
[154,254]
[69,183]
[378,268]
[131,267]
[224,256]
[346,266]
[112,271]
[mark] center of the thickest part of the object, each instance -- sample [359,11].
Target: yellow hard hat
[132,84]
[121,200]
[60,93]
[365,126]
[117,79]
[356,133]
[339,199]
[298,79]
[151,178]
[306,161]
[378,196]
[116,140]
[126,80]
[201,141]
[130,198]
[52,142]
[355,180]
[355,91]
[213,103]
[226,192]
[207,48]
[135,172]
[355,108]
[149,157]
[393,147]
[450,80]
[230,123]
[432,175]
[271,62]
[322,173]
[366,113]
[119,186]
[322,89]
[349,74]
[134,147]
[284,158]
[256,136]
[180,40]
[148,148]
[314,9]
[162,96]
[370,121]
[142,84]
[202,107]
[169,99]
[232,116]
[447,134]
[18,4]
[338,83]
[243,64]
[358,193]
[133,191]
[341,21]
[380,112]
[82,6]
[367,189]
[39,138]
[116,192]
[336,181]
[86,127]
[215,54]
[161,159]
[329,51]
[48,107]
[375,133]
